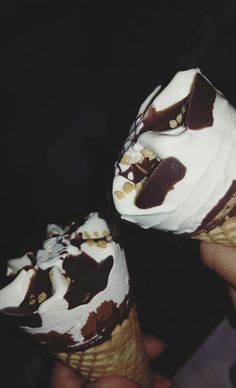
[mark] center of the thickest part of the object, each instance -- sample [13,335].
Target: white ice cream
[208,155]
[54,311]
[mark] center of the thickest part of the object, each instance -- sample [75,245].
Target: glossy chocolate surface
[168,172]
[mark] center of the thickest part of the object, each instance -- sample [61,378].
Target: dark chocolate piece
[96,330]
[201,101]
[22,316]
[78,266]
[140,170]
[90,285]
[161,181]
[32,258]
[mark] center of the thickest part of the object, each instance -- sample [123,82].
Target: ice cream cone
[123,355]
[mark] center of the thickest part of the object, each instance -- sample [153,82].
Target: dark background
[73,75]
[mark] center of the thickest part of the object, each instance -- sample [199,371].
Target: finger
[64,377]
[232,294]
[154,347]
[221,259]
[160,381]
[112,382]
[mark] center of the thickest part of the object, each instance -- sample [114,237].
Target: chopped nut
[32,300]
[125,159]
[108,238]
[63,356]
[90,242]
[42,296]
[119,194]
[147,153]
[173,123]
[86,235]
[138,186]
[102,243]
[179,118]
[128,187]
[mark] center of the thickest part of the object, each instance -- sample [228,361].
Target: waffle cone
[222,227]
[122,355]
[222,234]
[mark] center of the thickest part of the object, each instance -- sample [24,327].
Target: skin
[219,258]
[222,260]
[64,377]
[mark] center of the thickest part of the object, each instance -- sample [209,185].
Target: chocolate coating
[90,284]
[96,330]
[140,170]
[161,181]
[201,101]
[22,316]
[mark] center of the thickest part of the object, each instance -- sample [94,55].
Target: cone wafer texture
[123,355]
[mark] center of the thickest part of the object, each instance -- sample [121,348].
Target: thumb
[221,259]
[112,382]
[64,377]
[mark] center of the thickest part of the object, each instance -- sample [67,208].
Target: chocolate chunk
[201,101]
[90,285]
[23,316]
[161,181]
[32,258]
[78,266]
[140,170]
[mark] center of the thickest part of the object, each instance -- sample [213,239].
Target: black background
[73,75]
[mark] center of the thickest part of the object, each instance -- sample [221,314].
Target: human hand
[65,377]
[221,259]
